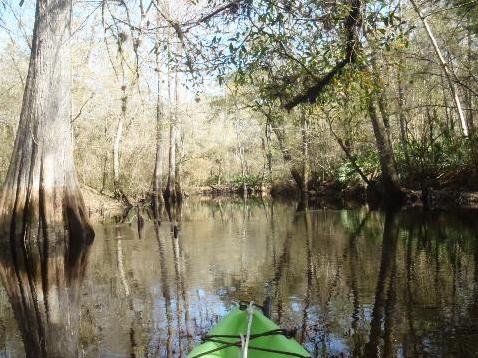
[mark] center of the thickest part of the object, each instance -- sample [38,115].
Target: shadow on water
[349,282]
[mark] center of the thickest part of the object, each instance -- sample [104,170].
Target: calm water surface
[352,282]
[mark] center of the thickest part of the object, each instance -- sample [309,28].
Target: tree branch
[352,24]
[82,107]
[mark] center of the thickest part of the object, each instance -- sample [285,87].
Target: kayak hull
[267,340]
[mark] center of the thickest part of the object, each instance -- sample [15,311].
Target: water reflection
[42,279]
[350,282]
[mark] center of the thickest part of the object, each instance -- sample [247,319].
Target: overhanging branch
[313,92]
[352,24]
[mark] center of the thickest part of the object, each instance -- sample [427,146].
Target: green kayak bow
[266,340]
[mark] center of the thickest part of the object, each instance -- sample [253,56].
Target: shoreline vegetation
[101,205]
[347,101]
[330,103]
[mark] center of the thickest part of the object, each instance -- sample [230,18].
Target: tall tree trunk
[43,220]
[401,113]
[469,101]
[170,190]
[158,201]
[41,190]
[118,190]
[178,143]
[469,65]
[401,100]
[243,170]
[240,149]
[382,106]
[392,192]
[448,72]
[268,130]
[305,153]
[116,151]
[105,161]
[170,193]
[177,183]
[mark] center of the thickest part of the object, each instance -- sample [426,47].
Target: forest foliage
[263,93]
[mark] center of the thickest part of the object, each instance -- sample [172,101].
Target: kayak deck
[267,340]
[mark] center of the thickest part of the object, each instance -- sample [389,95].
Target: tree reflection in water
[43,280]
[351,282]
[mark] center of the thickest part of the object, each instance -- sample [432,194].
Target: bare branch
[78,115]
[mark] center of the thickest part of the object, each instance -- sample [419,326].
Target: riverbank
[101,205]
[331,195]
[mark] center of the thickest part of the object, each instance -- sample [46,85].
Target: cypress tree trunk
[116,151]
[177,184]
[118,190]
[41,194]
[158,201]
[170,192]
[105,161]
[178,143]
[43,219]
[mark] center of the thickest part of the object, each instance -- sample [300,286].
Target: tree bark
[178,143]
[43,221]
[305,152]
[118,190]
[177,183]
[392,192]
[401,115]
[170,192]
[269,149]
[116,152]
[170,189]
[105,161]
[469,97]
[243,170]
[158,200]
[41,191]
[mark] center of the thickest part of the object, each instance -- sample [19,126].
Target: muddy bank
[100,206]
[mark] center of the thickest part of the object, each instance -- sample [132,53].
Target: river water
[351,282]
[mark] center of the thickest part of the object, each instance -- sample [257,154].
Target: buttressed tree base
[41,198]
